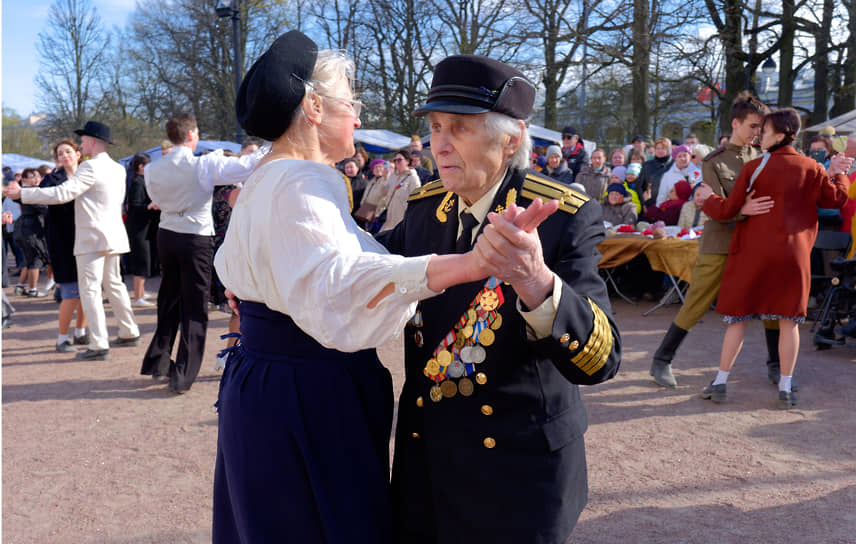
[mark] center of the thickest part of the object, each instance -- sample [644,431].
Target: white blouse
[292,245]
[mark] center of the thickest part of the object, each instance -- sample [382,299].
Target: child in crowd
[615,209]
[670,210]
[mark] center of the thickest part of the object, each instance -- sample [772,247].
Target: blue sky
[22,21]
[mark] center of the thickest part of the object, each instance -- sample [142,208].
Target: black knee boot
[661,366]
[773,368]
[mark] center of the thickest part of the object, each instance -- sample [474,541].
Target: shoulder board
[535,186]
[713,153]
[429,189]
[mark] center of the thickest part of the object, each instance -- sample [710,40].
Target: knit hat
[375,163]
[617,187]
[553,150]
[683,148]
[620,172]
[683,189]
[633,168]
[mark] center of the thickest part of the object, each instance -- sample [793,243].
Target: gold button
[415,435]
[489,442]
[573,345]
[565,338]
[481,378]
[419,402]
[487,409]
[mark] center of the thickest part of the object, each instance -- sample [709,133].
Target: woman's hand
[704,191]
[756,206]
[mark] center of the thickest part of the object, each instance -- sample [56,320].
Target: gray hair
[330,65]
[499,125]
[701,150]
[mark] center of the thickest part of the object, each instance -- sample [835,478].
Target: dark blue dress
[303,444]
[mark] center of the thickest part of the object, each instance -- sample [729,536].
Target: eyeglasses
[356,105]
[398,159]
[567,136]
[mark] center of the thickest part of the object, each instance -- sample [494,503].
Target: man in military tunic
[720,170]
[489,443]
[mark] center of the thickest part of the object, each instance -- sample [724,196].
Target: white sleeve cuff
[540,320]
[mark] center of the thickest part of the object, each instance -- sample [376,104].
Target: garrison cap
[471,84]
[275,85]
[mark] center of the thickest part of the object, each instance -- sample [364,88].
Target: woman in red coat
[767,274]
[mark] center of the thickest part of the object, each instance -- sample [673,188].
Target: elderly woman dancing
[767,274]
[305,408]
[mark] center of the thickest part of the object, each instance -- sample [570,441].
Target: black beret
[275,85]
[638,138]
[570,131]
[470,84]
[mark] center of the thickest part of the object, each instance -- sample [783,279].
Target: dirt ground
[95,453]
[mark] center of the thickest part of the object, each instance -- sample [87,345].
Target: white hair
[330,66]
[499,125]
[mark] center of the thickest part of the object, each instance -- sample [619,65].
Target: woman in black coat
[59,234]
[138,223]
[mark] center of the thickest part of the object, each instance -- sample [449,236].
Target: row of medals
[456,358]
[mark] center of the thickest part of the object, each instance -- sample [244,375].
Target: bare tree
[72,50]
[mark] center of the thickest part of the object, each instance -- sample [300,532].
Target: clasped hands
[509,249]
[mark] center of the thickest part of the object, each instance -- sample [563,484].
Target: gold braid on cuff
[594,354]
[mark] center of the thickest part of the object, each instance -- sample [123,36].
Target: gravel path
[95,453]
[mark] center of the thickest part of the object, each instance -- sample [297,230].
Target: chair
[828,244]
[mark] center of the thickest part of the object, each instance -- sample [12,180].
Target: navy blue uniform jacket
[506,464]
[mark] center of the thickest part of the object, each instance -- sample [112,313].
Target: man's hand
[513,254]
[756,206]
[13,190]
[839,164]
[232,301]
[152,206]
[7,218]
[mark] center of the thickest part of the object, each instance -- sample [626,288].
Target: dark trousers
[186,261]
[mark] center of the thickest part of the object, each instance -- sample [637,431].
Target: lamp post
[768,68]
[232,8]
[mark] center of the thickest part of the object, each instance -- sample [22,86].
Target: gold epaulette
[429,189]
[535,186]
[713,153]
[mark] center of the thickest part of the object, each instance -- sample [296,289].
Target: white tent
[843,124]
[381,141]
[18,162]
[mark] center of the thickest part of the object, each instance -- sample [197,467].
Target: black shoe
[94,355]
[774,373]
[716,393]
[120,342]
[787,400]
[172,389]
[662,374]
[82,340]
[66,347]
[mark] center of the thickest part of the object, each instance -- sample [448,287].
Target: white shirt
[293,246]
[181,185]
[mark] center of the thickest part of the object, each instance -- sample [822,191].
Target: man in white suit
[98,189]
[180,185]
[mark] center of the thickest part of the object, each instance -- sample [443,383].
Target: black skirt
[303,443]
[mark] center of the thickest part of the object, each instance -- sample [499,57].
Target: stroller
[837,306]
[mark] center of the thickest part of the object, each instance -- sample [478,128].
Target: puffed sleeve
[585,344]
[292,245]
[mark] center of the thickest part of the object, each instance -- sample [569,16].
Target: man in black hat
[489,444]
[98,190]
[573,150]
